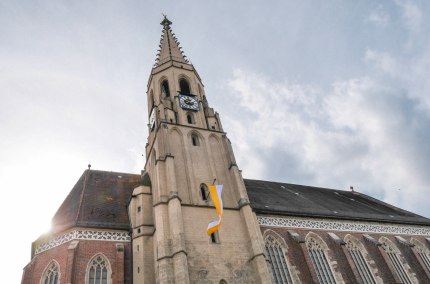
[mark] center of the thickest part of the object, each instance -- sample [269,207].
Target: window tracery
[319,260]
[277,261]
[51,274]
[98,271]
[422,252]
[359,260]
[394,256]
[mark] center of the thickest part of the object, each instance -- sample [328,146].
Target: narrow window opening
[137,247]
[165,92]
[204,192]
[189,119]
[138,269]
[184,86]
[138,231]
[139,209]
[195,140]
[215,238]
[151,99]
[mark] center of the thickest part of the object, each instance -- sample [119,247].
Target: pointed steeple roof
[169,46]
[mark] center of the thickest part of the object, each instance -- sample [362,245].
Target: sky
[323,93]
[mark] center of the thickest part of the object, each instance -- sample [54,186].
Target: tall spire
[169,46]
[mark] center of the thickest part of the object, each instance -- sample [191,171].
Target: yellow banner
[215,192]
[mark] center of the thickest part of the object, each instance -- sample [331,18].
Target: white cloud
[383,61]
[358,133]
[411,14]
[379,17]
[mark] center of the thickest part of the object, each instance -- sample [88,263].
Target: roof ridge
[81,199]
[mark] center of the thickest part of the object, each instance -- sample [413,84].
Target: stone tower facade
[187,151]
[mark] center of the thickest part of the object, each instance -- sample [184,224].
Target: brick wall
[298,258]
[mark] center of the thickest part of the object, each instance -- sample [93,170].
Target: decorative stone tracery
[337,225]
[84,235]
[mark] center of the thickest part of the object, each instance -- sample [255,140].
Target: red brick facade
[341,261]
[73,258]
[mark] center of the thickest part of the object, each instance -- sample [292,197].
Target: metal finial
[165,23]
[89,166]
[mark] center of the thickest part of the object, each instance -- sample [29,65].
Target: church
[151,227]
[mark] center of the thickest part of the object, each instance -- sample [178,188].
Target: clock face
[189,102]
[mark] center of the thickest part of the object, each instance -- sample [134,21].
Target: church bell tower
[187,151]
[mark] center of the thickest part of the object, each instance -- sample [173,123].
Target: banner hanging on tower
[215,192]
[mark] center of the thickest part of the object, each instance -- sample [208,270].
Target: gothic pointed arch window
[165,91]
[184,86]
[275,250]
[51,274]
[396,259]
[358,254]
[98,270]
[423,252]
[317,249]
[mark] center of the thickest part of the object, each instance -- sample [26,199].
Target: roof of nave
[98,200]
[276,198]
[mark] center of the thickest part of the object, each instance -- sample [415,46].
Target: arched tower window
[277,262]
[356,251]
[165,91]
[395,258]
[316,248]
[195,140]
[98,271]
[190,118]
[51,274]
[422,252]
[184,86]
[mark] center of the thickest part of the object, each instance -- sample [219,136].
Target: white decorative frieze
[338,225]
[84,235]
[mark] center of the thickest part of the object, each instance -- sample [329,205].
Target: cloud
[411,14]
[383,61]
[360,132]
[379,17]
